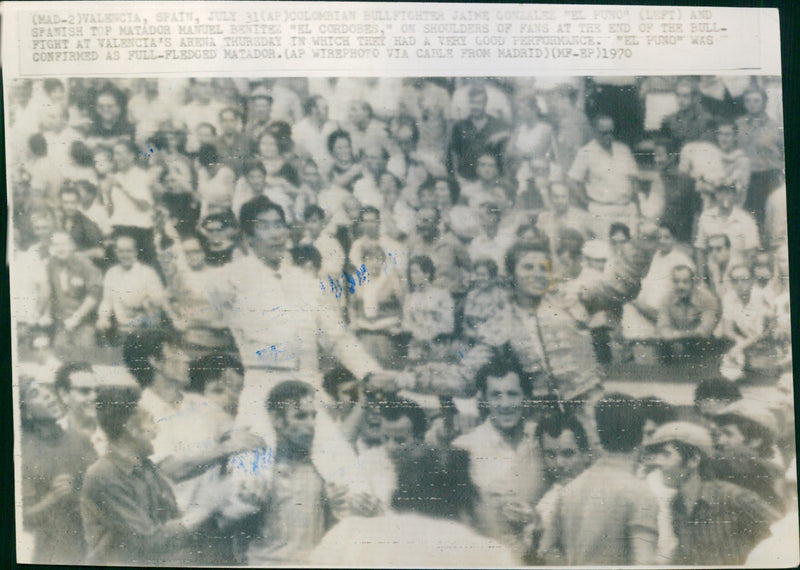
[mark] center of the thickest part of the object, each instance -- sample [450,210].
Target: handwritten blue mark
[360,278]
[258,460]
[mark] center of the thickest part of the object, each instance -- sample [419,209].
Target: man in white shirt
[500,449]
[729,219]
[311,134]
[604,173]
[132,292]
[279,316]
[640,315]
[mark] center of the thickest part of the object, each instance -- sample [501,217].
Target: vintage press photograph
[409,322]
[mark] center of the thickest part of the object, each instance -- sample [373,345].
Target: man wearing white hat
[747,454]
[716,522]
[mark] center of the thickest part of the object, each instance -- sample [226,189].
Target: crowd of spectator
[334,292]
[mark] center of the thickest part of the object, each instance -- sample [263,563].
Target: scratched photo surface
[405,322]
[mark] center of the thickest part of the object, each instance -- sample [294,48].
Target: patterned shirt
[722,527]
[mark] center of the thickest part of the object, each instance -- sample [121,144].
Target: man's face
[726,138]
[665,240]
[477,105]
[107,108]
[268,146]
[69,204]
[142,430]
[358,115]
[225,392]
[427,223]
[605,132]
[175,365]
[559,198]
[195,256]
[42,404]
[295,425]
[125,250]
[618,239]
[374,159]
[668,460]
[371,428]
[486,321]
[718,250]
[269,232]
[371,225]
[490,218]
[563,460]
[230,123]
[81,396]
[427,198]
[398,436]
[219,235]
[342,150]
[741,281]
[310,176]
[487,168]
[61,246]
[261,109]
[442,195]
[314,226]
[685,97]
[257,180]
[533,273]
[504,398]
[682,283]
[754,103]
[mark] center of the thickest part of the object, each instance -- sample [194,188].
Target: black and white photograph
[441,321]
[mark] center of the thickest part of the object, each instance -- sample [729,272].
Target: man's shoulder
[102,471]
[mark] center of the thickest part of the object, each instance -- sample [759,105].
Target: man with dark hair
[133,293]
[403,429]
[279,317]
[691,122]
[85,233]
[158,362]
[746,449]
[500,449]
[604,175]
[279,486]
[448,254]
[428,521]
[477,134]
[232,144]
[129,511]
[613,523]
[715,522]
[688,317]
[565,452]
[76,387]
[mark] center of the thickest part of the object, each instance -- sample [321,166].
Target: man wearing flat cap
[715,522]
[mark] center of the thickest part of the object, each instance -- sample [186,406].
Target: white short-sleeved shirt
[606,175]
[739,226]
